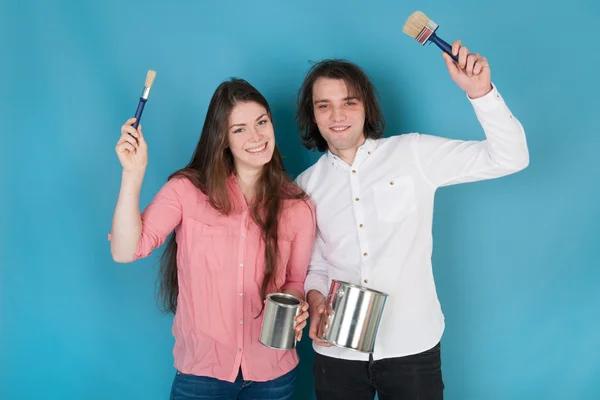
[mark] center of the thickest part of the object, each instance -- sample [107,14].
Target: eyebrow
[344,99]
[245,124]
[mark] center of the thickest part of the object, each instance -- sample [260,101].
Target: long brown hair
[211,165]
[358,84]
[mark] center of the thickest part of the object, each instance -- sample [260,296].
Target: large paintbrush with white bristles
[421,28]
[144,97]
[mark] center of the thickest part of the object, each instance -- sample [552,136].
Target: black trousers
[413,377]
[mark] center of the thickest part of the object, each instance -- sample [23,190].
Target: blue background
[515,259]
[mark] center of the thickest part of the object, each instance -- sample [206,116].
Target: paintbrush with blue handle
[144,97]
[422,29]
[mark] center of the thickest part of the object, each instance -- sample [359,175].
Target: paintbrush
[420,27]
[144,97]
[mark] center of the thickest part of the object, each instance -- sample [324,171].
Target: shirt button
[365,254]
[354,171]
[241,322]
[356,198]
[239,349]
[361,226]
[391,182]
[241,294]
[366,281]
[241,264]
[369,153]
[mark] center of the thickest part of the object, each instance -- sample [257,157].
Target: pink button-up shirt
[221,262]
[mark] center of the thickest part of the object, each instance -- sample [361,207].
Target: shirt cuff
[295,286]
[138,254]
[488,102]
[318,286]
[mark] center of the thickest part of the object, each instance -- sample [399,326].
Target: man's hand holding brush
[471,72]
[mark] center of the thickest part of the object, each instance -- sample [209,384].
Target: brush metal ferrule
[146,93]
[427,31]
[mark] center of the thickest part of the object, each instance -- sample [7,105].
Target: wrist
[294,292]
[314,296]
[480,93]
[131,180]
[133,174]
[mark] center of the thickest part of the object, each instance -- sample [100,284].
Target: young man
[374,202]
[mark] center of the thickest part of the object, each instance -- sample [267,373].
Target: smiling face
[339,115]
[250,136]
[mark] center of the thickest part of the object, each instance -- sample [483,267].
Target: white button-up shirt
[374,219]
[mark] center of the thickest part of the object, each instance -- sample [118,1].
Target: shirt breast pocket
[395,198]
[208,245]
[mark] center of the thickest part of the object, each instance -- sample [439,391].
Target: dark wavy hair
[358,84]
[211,165]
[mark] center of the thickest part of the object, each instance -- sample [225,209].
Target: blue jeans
[192,387]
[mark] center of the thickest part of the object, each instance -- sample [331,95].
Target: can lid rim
[365,289]
[289,296]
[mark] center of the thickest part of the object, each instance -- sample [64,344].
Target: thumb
[141,137]
[450,64]
[312,329]
[315,317]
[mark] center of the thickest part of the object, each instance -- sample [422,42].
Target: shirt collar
[362,153]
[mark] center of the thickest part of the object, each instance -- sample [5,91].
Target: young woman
[240,230]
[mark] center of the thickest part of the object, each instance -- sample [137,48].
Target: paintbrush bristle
[150,78]
[415,24]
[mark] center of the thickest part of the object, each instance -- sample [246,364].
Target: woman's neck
[247,179]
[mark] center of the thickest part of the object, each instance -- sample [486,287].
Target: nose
[256,136]
[337,114]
